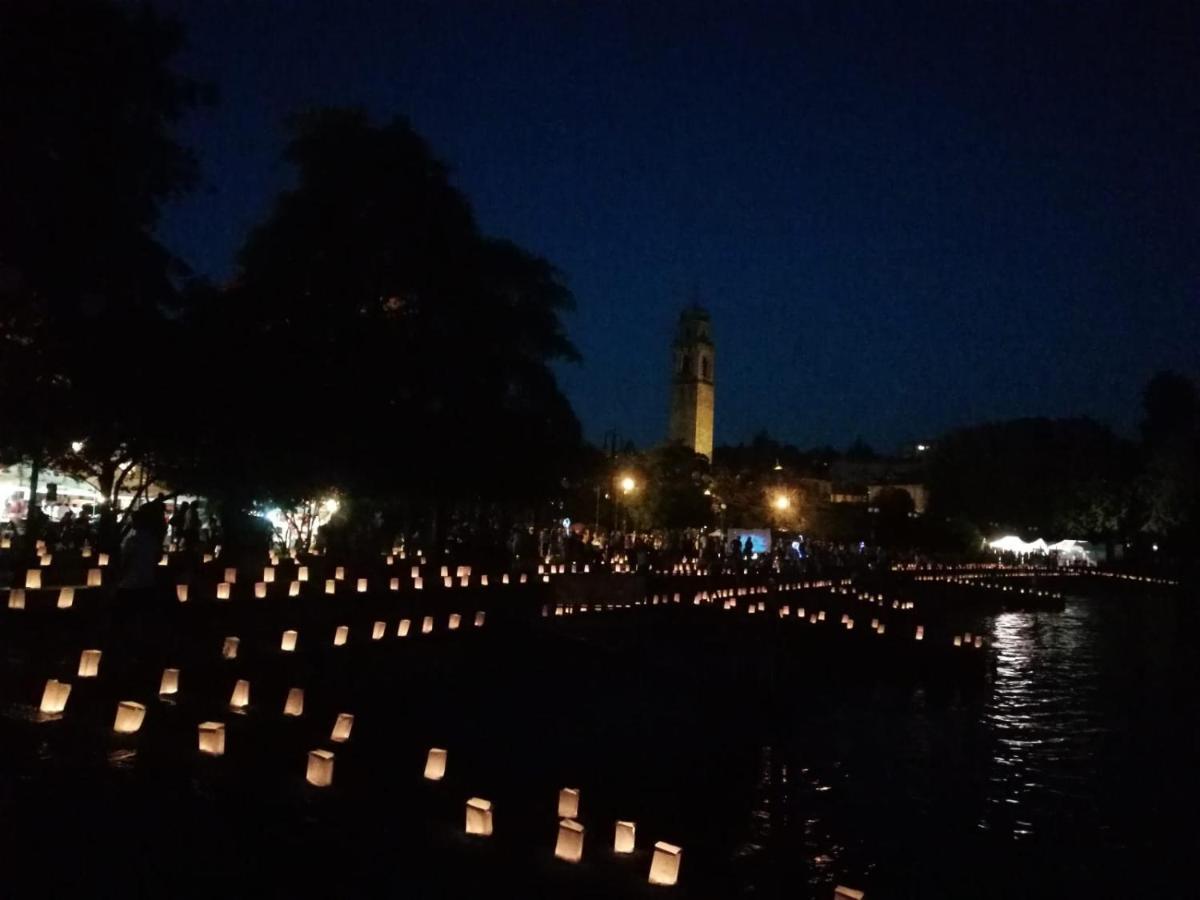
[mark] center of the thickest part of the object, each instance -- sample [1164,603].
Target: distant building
[692,383]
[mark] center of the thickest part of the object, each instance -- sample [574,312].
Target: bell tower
[692,383]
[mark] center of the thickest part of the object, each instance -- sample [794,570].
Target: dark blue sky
[901,220]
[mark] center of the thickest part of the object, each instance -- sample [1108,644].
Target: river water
[1073,772]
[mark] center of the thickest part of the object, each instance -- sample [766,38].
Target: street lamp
[628,485]
[781,502]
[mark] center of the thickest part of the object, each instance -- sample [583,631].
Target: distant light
[707,492]
[1154,547]
[921,448]
[330,505]
[628,484]
[566,523]
[782,502]
[778,467]
[76,446]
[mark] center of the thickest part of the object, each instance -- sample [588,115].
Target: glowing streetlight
[781,502]
[628,484]
[76,446]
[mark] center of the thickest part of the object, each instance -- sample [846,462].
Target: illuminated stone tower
[692,383]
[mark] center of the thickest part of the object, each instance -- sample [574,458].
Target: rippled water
[1072,772]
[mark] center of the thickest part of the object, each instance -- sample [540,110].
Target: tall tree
[86,163]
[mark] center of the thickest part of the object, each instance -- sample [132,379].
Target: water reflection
[1043,715]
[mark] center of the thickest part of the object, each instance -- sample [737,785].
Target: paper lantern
[269,574]
[403,627]
[260,589]
[223,590]
[978,641]
[169,684]
[480,616]
[95,578]
[341,727]
[377,631]
[427,625]
[162,560]
[845,893]
[483,580]
[445,573]
[212,738]
[447,582]
[208,557]
[294,589]
[418,584]
[240,698]
[391,560]
[288,642]
[6,544]
[33,580]
[129,717]
[340,636]
[920,632]
[664,865]
[455,621]
[231,576]
[54,697]
[340,573]
[66,597]
[302,573]
[320,768]
[89,664]
[569,846]
[330,586]
[16,598]
[625,838]
[416,572]
[504,578]
[881,629]
[46,559]
[874,624]
[394,584]
[229,649]
[362,585]
[479,816]
[181,593]
[821,616]
[435,764]
[958,640]
[800,613]
[524,577]
[568,803]
[294,704]
[102,560]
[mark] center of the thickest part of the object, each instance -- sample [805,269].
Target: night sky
[901,221]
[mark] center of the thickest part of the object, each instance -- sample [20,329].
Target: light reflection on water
[1043,716]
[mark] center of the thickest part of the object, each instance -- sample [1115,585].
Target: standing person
[177,520]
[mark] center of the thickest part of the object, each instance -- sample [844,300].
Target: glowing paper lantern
[362,585]
[403,627]
[455,621]
[881,629]
[66,597]
[294,705]
[54,697]
[427,625]
[33,580]
[958,640]
[302,573]
[16,598]
[288,642]
[435,764]
[483,580]
[181,593]
[223,590]
[294,589]
[95,578]
[377,630]
[504,578]
[269,574]
[212,738]
[416,572]
[231,576]
[418,584]
[229,649]
[480,617]
[445,573]
[340,636]
[320,768]
[169,684]
[569,846]
[821,616]
[447,582]
[129,717]
[479,816]
[625,837]
[240,698]
[330,586]
[341,727]
[568,803]
[920,632]
[978,641]
[89,664]
[260,589]
[845,893]
[394,584]
[664,865]
[340,573]
[47,558]
[102,560]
